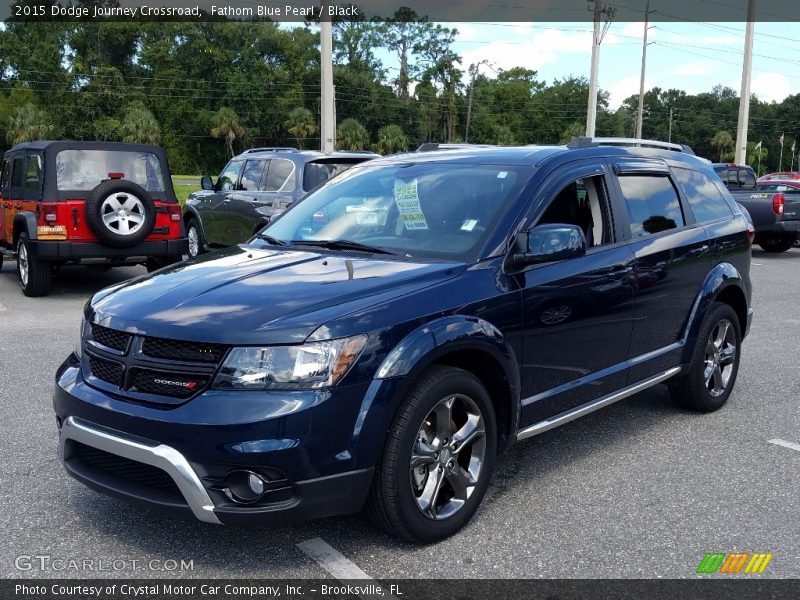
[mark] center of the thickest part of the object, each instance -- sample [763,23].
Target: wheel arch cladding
[468,343]
[723,284]
[25,221]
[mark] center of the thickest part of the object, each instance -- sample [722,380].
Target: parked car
[780,175]
[101,203]
[775,212]
[389,358]
[736,177]
[253,188]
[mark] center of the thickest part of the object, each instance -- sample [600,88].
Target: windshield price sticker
[407,200]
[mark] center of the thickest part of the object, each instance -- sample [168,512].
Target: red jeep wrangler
[103,203]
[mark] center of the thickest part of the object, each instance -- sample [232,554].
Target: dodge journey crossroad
[453,302]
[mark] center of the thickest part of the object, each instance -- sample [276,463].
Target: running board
[585,409]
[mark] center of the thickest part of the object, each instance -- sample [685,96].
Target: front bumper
[54,250]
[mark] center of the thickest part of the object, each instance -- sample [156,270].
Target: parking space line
[785,444]
[330,559]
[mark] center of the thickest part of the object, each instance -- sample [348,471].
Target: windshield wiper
[343,245]
[271,240]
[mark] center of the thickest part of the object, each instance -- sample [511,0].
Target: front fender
[410,357]
[720,278]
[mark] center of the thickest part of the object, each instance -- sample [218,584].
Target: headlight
[310,366]
[81,336]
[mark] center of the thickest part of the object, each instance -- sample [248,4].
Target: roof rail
[272,149]
[587,142]
[431,146]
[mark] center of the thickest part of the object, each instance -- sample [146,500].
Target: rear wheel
[775,244]
[715,363]
[33,274]
[438,458]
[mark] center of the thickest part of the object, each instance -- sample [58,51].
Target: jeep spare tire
[120,213]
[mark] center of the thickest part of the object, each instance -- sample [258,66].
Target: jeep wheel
[33,274]
[195,237]
[120,213]
[715,363]
[438,458]
[775,244]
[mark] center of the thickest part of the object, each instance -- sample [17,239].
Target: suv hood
[247,295]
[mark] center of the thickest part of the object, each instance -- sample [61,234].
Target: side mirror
[206,183]
[552,243]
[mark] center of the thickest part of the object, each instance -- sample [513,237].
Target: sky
[690,56]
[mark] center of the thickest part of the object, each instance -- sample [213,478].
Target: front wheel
[33,274]
[195,237]
[438,458]
[715,363]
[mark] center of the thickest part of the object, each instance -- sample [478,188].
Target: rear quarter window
[705,199]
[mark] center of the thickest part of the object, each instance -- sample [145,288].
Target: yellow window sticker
[407,200]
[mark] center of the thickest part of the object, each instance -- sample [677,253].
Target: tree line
[206,90]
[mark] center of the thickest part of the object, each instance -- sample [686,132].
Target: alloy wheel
[448,457]
[122,213]
[22,261]
[194,241]
[720,357]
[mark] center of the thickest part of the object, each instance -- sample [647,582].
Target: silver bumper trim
[163,457]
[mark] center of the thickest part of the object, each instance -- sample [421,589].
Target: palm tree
[300,124]
[28,123]
[722,140]
[391,139]
[573,130]
[352,135]
[139,125]
[226,125]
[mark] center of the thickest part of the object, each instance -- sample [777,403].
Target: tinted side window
[251,175]
[18,173]
[704,197]
[278,175]
[653,204]
[229,176]
[33,172]
[4,175]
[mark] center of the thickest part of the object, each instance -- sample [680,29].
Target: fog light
[256,484]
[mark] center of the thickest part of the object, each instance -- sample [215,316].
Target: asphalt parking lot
[638,490]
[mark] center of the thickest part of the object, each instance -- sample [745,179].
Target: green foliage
[28,123]
[139,126]
[300,124]
[226,125]
[722,140]
[352,135]
[391,139]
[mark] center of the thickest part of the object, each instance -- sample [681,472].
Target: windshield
[440,210]
[86,169]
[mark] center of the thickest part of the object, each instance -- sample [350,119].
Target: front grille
[124,468]
[166,384]
[106,370]
[183,351]
[110,338]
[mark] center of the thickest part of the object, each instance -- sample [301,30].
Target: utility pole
[669,136]
[473,71]
[744,98]
[640,113]
[327,96]
[600,12]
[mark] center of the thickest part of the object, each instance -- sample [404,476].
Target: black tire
[130,195]
[692,390]
[193,225]
[393,502]
[775,244]
[33,274]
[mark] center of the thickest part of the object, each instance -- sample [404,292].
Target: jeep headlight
[308,366]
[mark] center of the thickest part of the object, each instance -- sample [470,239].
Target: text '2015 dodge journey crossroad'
[453,302]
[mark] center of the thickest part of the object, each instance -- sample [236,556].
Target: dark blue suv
[453,302]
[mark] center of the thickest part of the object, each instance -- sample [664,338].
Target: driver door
[219,220]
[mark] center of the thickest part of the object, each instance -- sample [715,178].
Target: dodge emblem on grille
[185,384]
